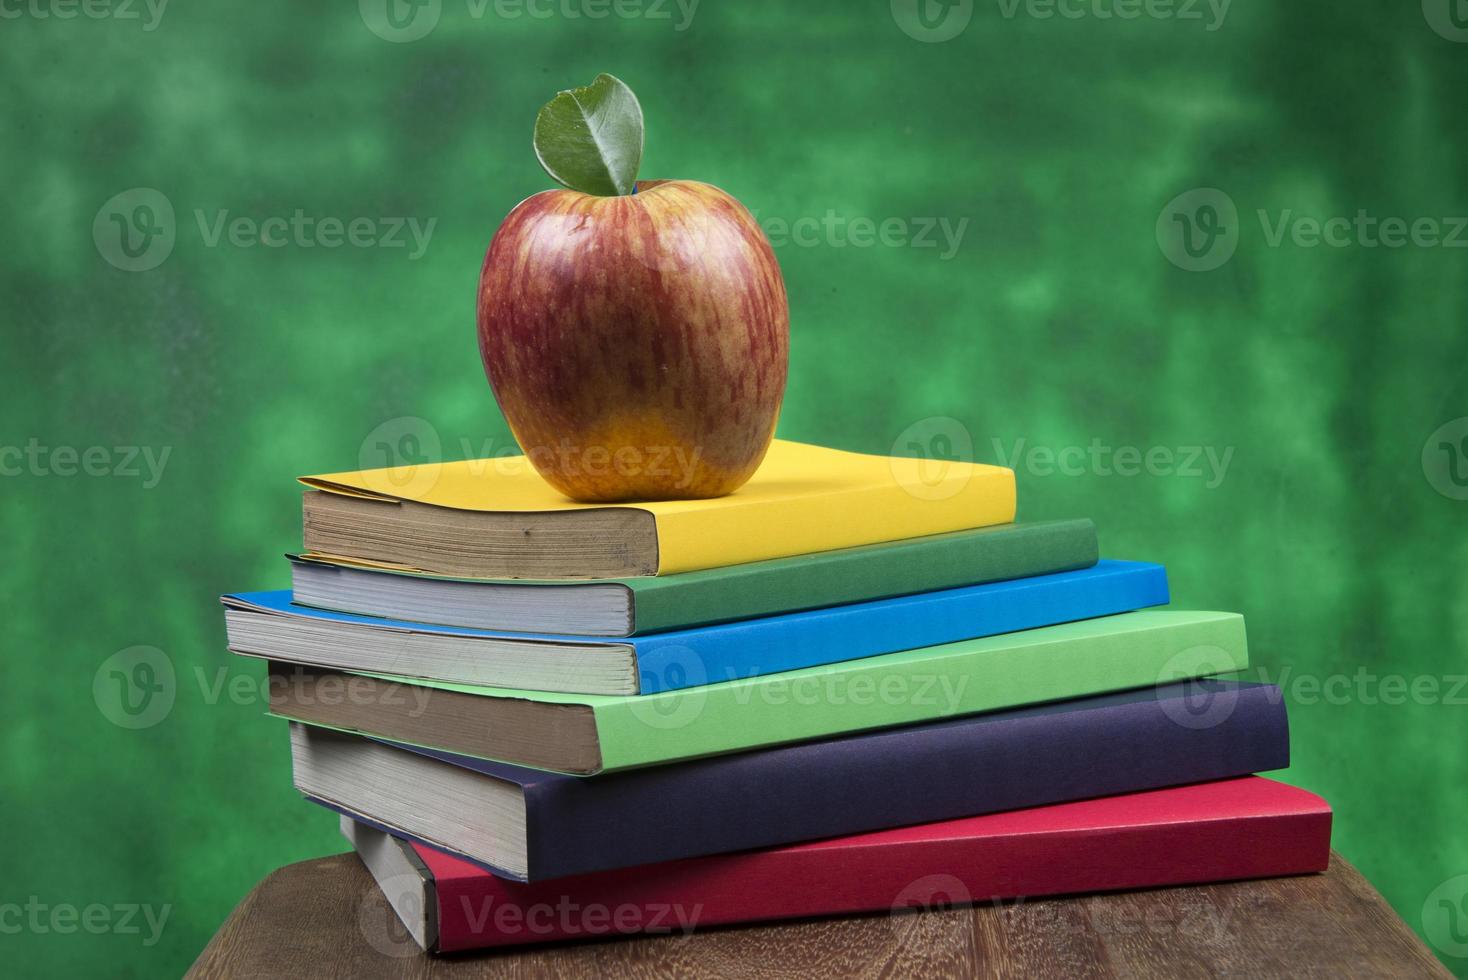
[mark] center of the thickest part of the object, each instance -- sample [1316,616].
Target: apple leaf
[590,139]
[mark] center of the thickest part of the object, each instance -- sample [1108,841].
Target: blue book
[271,626]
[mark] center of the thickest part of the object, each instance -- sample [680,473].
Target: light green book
[588,734]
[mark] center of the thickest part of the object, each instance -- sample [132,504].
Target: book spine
[943,561]
[1071,660]
[857,876]
[1188,733]
[690,658]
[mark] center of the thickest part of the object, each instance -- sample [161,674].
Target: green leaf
[590,139]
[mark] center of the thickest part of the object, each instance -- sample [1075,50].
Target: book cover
[1250,827]
[768,645]
[762,588]
[1100,746]
[803,499]
[586,734]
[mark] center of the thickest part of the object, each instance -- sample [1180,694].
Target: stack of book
[542,720]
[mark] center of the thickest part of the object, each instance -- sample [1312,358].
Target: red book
[1236,828]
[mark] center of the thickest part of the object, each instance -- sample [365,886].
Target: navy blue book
[268,624]
[529,825]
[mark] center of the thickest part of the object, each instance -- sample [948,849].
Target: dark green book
[633,606]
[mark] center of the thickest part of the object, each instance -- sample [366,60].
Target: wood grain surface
[326,918]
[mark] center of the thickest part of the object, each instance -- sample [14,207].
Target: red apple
[637,344]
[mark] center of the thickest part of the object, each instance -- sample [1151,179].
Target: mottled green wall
[1048,147]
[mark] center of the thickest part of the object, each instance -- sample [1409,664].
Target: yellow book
[496,518]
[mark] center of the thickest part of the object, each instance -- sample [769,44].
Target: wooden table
[326,918]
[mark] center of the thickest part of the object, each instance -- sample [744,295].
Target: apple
[637,343]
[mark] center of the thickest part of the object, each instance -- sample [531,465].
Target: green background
[1058,321]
